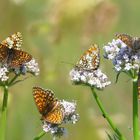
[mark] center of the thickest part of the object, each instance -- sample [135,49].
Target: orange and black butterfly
[11,53]
[49,107]
[131,42]
[90,60]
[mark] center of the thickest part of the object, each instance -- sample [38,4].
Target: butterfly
[90,60]
[48,106]
[131,42]
[11,54]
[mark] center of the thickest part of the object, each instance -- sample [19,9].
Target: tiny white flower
[32,66]
[128,66]
[83,78]
[3,74]
[46,127]
[75,76]
[69,107]
[118,68]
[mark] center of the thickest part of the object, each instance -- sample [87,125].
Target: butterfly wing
[3,53]
[56,115]
[127,39]
[90,60]
[13,41]
[48,106]
[18,58]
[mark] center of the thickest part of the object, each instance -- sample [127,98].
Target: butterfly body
[48,106]
[90,59]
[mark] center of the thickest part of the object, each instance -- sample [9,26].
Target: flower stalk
[40,135]
[4,114]
[135,111]
[106,116]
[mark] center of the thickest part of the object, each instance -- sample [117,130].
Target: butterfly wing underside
[48,106]
[127,39]
[90,60]
[13,41]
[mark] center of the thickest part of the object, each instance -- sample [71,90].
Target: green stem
[40,135]
[4,114]
[12,80]
[106,116]
[135,111]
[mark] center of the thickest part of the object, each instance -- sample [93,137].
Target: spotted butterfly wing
[131,42]
[11,53]
[55,116]
[90,59]
[48,106]
[3,53]
[13,41]
[16,58]
[127,39]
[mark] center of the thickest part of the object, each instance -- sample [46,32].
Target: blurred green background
[60,30]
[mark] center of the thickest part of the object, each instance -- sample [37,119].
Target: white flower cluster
[55,130]
[70,116]
[93,78]
[123,57]
[32,67]
[3,74]
[69,112]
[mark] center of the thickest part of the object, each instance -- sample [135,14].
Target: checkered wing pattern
[90,60]
[17,57]
[55,116]
[48,106]
[3,53]
[127,39]
[11,53]
[13,41]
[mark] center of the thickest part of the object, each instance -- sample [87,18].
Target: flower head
[94,78]
[54,129]
[14,59]
[123,54]
[32,67]
[70,116]
[87,71]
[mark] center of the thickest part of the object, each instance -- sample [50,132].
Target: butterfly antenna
[64,62]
